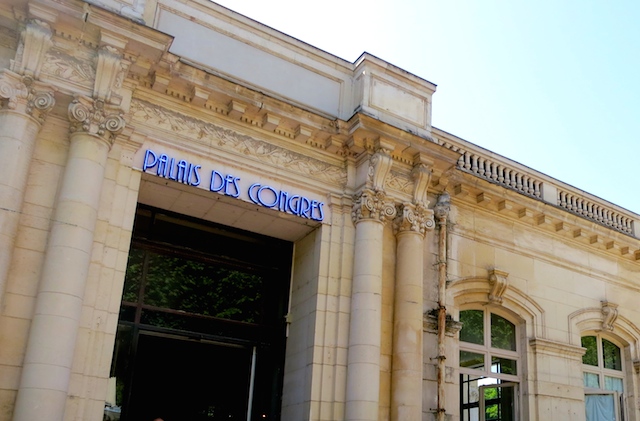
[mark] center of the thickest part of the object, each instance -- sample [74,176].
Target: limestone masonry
[202,218]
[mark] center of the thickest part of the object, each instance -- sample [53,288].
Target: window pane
[503,366]
[591,356]
[199,288]
[472,326]
[503,333]
[591,380]
[471,360]
[611,354]
[613,383]
[499,403]
[133,275]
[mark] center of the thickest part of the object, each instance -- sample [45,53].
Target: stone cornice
[469,193]
[549,347]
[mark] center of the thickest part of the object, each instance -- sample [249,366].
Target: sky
[552,84]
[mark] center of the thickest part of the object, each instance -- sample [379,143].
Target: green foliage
[503,333]
[472,326]
[591,356]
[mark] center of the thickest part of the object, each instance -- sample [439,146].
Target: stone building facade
[203,218]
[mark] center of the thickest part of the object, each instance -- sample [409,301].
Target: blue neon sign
[229,185]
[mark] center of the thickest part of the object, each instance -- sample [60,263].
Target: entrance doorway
[201,332]
[181,379]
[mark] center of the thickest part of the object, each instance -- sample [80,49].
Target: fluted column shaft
[406,374]
[363,359]
[21,116]
[47,366]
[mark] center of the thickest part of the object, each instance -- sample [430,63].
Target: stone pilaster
[411,224]
[49,355]
[24,105]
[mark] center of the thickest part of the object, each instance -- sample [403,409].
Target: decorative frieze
[94,117]
[247,146]
[412,217]
[372,205]
[22,93]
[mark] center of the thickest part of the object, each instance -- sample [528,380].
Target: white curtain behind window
[600,407]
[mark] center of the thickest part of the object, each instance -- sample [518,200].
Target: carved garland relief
[211,134]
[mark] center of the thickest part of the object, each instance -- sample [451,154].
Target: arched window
[603,375]
[489,367]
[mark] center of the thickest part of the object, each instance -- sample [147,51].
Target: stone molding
[413,218]
[24,94]
[549,347]
[94,117]
[372,205]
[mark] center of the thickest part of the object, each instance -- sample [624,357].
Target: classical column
[406,375]
[371,211]
[24,104]
[47,365]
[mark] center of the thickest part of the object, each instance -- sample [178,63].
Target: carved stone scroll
[94,117]
[35,42]
[379,168]
[23,94]
[609,315]
[499,282]
[370,204]
[411,217]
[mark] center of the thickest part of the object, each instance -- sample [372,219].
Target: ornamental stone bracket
[499,282]
[609,315]
[24,94]
[96,118]
[35,41]
[379,167]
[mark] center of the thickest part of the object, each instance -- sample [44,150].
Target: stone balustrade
[594,211]
[499,173]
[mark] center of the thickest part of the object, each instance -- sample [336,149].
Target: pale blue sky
[554,85]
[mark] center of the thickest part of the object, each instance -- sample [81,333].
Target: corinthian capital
[94,117]
[413,217]
[372,205]
[23,94]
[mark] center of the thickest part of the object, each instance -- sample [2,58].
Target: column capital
[413,218]
[95,117]
[24,94]
[372,205]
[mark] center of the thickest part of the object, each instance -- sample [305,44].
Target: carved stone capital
[372,205]
[35,41]
[94,117]
[411,217]
[499,282]
[379,168]
[609,315]
[23,94]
